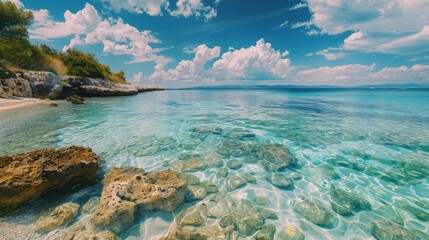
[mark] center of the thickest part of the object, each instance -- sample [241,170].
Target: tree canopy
[14,21]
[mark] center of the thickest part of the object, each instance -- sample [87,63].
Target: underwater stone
[149,151]
[218,196]
[196,192]
[210,187]
[250,221]
[234,164]
[187,156]
[188,232]
[207,129]
[280,180]
[340,161]
[190,144]
[291,233]
[80,232]
[268,214]
[328,171]
[272,157]
[385,230]
[248,178]
[228,220]
[267,232]
[294,175]
[223,172]
[213,160]
[234,183]
[59,217]
[263,201]
[221,209]
[350,200]
[91,205]
[419,213]
[193,216]
[315,213]
[191,179]
[191,165]
[340,209]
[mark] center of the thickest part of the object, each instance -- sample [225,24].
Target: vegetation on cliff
[16,51]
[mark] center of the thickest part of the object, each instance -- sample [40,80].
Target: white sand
[6,104]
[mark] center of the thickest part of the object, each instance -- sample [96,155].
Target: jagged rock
[193,216]
[345,202]
[267,232]
[53,105]
[280,180]
[213,160]
[75,99]
[91,205]
[291,233]
[191,179]
[59,217]
[234,164]
[385,230]
[128,189]
[28,175]
[263,201]
[234,183]
[315,213]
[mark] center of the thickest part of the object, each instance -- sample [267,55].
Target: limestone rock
[196,192]
[128,189]
[263,201]
[91,205]
[191,179]
[191,165]
[188,232]
[248,178]
[80,232]
[280,180]
[272,157]
[75,99]
[218,196]
[28,175]
[59,217]
[193,216]
[221,209]
[315,213]
[343,200]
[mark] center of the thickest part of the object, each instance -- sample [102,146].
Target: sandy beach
[6,104]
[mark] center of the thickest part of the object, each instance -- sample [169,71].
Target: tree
[14,21]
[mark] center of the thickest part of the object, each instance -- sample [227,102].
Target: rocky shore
[33,84]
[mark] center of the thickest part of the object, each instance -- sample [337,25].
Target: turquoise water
[372,143]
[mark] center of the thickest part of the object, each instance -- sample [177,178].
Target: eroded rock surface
[28,175]
[385,230]
[315,213]
[59,217]
[128,189]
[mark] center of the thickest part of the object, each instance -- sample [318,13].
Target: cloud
[82,22]
[386,26]
[283,25]
[298,6]
[257,62]
[189,69]
[88,27]
[357,74]
[138,78]
[185,8]
[329,53]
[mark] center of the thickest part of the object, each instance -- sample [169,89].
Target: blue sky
[179,43]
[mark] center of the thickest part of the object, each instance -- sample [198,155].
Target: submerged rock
[193,216]
[234,183]
[415,210]
[59,217]
[221,209]
[291,233]
[191,165]
[75,99]
[188,232]
[234,164]
[267,232]
[272,157]
[328,171]
[263,201]
[218,196]
[315,213]
[147,151]
[234,148]
[196,192]
[80,232]
[213,160]
[28,175]
[128,189]
[208,129]
[223,172]
[248,178]
[91,205]
[385,230]
[345,202]
[280,180]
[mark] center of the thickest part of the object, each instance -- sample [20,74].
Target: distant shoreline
[7,104]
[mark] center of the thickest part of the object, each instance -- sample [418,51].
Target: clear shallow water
[377,142]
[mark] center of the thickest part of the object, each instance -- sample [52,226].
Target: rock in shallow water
[267,232]
[263,201]
[193,216]
[234,164]
[291,233]
[345,202]
[234,183]
[128,189]
[80,232]
[280,180]
[315,213]
[272,157]
[385,230]
[213,160]
[59,217]
[28,175]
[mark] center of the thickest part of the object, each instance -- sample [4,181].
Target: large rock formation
[127,190]
[28,175]
[49,85]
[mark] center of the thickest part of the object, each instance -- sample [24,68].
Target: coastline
[7,104]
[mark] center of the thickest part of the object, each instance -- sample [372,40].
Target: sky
[182,43]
